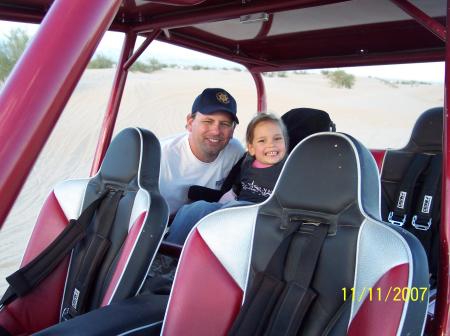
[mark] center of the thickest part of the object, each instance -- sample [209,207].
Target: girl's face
[268,145]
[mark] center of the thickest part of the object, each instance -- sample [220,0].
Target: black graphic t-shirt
[256,184]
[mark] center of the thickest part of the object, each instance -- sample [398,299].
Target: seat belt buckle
[422,227]
[65,316]
[396,222]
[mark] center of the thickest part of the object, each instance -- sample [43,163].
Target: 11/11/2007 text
[394,294]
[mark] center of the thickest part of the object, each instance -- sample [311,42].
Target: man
[206,153]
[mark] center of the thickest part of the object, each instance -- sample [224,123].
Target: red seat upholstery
[132,165]
[331,178]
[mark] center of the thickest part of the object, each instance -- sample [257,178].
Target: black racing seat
[411,184]
[131,166]
[329,185]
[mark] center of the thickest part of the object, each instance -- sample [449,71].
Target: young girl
[266,139]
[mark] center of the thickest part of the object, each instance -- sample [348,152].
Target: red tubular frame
[38,89]
[141,49]
[127,58]
[442,322]
[46,77]
[429,23]
[260,91]
[115,98]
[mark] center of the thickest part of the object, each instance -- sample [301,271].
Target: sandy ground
[378,114]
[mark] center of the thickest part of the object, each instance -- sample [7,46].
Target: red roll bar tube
[442,313]
[41,84]
[115,98]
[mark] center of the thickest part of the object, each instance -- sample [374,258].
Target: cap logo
[222,97]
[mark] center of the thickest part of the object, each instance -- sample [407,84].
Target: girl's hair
[260,117]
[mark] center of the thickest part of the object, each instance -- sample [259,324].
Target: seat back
[131,164]
[426,140]
[328,178]
[304,121]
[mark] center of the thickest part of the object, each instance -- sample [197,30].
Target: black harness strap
[401,208]
[29,276]
[96,248]
[422,218]
[297,295]
[275,306]
[426,219]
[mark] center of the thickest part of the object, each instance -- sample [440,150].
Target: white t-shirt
[181,169]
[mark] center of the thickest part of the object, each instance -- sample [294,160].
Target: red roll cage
[261,35]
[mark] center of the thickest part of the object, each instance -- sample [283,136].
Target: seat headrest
[134,153]
[326,173]
[302,122]
[427,131]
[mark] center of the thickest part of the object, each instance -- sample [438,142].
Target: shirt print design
[265,192]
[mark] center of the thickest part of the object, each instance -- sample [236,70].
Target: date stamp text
[388,294]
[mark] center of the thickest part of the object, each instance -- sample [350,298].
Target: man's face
[209,134]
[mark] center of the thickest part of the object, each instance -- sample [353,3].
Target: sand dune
[160,102]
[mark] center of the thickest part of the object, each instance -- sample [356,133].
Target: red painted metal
[180,2]
[368,44]
[141,49]
[442,314]
[260,91]
[356,60]
[265,27]
[226,11]
[40,86]
[425,20]
[114,102]
[22,15]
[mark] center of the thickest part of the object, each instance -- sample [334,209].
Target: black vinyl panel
[121,162]
[320,174]
[141,315]
[427,132]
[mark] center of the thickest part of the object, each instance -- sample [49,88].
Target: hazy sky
[112,42]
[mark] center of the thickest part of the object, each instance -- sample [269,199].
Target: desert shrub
[150,65]
[140,66]
[201,67]
[156,65]
[387,82]
[340,79]
[268,74]
[412,82]
[11,48]
[101,61]
[282,74]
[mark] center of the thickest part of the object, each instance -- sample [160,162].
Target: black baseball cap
[213,100]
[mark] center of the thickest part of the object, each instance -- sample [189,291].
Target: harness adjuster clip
[396,222]
[65,316]
[422,227]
